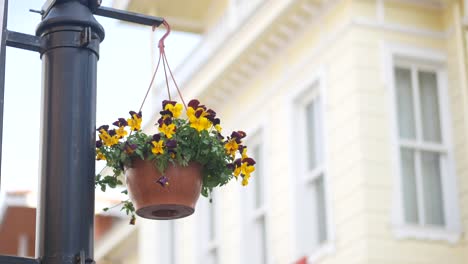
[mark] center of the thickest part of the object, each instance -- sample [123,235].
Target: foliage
[196,137]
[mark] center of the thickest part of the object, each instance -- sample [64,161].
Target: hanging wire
[151,83]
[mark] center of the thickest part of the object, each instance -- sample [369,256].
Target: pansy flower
[156,137]
[121,122]
[245,181]
[243,151]
[238,136]
[165,114]
[130,148]
[217,125]
[135,122]
[231,166]
[121,132]
[158,147]
[247,167]
[194,103]
[173,107]
[102,128]
[163,180]
[198,116]
[167,128]
[99,155]
[237,167]
[171,145]
[109,138]
[231,147]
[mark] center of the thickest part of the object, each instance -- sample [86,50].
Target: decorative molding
[436,4]
[400,28]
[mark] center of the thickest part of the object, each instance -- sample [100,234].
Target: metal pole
[3,35]
[65,216]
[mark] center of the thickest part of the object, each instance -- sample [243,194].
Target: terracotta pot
[154,201]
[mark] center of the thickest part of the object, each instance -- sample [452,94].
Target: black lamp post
[68,40]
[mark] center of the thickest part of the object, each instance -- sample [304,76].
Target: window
[208,232]
[254,245]
[311,212]
[423,149]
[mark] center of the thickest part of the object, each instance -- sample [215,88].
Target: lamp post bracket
[128,16]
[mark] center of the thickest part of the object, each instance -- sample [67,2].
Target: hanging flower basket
[163,201]
[165,172]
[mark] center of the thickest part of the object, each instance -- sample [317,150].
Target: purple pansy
[163,180]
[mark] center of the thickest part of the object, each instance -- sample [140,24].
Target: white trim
[323,251]
[204,244]
[317,79]
[400,28]
[426,233]
[394,55]
[257,137]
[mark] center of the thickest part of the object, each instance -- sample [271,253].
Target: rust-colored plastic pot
[155,201]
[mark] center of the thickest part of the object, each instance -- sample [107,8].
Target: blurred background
[356,112]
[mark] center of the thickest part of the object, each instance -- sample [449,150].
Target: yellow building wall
[347,43]
[358,127]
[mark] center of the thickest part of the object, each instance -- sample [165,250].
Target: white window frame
[400,55]
[249,214]
[317,82]
[205,245]
[168,229]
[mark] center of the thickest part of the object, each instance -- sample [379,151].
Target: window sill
[321,252]
[427,233]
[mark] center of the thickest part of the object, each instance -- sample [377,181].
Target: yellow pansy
[176,110]
[247,169]
[121,132]
[167,130]
[231,147]
[99,155]
[200,124]
[158,147]
[245,181]
[244,153]
[107,139]
[134,123]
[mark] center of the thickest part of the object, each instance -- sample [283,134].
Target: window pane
[257,177]
[432,188]
[410,201]
[429,106]
[310,134]
[321,211]
[405,109]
